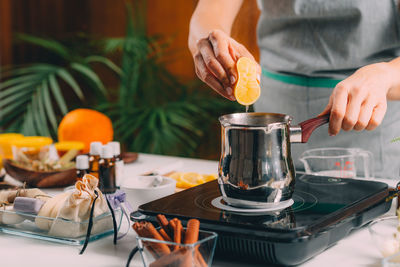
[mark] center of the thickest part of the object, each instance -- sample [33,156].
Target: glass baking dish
[60,230]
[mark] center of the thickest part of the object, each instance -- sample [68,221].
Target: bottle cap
[95,148]
[106,152]
[116,147]
[82,162]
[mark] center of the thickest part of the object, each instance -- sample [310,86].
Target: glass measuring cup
[338,162]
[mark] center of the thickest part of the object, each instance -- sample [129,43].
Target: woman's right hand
[215,62]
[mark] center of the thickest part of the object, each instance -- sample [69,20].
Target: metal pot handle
[302,132]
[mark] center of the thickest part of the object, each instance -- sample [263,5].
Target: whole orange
[85,125]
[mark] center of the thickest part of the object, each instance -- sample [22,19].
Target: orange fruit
[86,126]
[247,88]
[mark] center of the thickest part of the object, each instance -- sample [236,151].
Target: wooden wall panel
[106,18]
[173,20]
[244,29]
[47,18]
[57,18]
[5,32]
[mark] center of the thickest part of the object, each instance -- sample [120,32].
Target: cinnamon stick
[146,229]
[165,235]
[179,258]
[199,259]
[177,233]
[191,237]
[192,231]
[163,222]
[139,230]
[172,231]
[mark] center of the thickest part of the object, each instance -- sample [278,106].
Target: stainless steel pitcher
[256,169]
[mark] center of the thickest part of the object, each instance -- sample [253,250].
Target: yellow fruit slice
[209,177]
[175,175]
[247,89]
[192,178]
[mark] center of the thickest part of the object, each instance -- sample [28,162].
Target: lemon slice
[209,177]
[247,88]
[190,179]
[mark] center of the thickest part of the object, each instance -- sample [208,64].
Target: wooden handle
[308,126]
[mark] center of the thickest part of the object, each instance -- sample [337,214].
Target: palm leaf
[63,74]
[16,89]
[55,88]
[112,45]
[18,80]
[48,106]
[48,44]
[104,61]
[90,75]
[12,111]
[21,94]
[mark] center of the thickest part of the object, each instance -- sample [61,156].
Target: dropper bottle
[82,166]
[107,170]
[119,163]
[95,149]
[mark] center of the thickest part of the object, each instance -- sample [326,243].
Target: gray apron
[314,39]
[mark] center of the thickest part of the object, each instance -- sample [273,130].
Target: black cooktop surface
[318,201]
[324,210]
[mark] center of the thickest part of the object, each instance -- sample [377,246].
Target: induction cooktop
[323,211]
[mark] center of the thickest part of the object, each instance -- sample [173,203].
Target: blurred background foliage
[152,110]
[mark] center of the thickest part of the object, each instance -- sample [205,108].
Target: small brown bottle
[119,164]
[95,149]
[82,166]
[107,170]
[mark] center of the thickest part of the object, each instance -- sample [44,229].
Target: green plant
[152,110]
[155,112]
[31,96]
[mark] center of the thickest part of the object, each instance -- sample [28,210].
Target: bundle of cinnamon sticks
[172,231]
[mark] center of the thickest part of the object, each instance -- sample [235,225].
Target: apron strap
[301,80]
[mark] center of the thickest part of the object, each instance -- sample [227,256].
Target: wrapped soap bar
[7,216]
[28,205]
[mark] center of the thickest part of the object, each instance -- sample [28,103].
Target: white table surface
[355,250]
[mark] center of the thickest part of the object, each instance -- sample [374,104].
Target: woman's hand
[359,102]
[215,62]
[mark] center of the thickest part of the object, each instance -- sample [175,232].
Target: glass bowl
[385,234]
[60,230]
[200,253]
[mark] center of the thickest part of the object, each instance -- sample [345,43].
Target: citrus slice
[209,177]
[177,177]
[192,178]
[247,88]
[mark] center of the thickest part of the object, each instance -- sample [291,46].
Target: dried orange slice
[190,179]
[209,177]
[247,88]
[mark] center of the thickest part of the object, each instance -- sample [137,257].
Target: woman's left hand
[359,102]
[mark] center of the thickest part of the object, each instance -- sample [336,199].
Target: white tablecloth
[355,250]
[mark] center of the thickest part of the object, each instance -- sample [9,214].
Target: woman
[317,57]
